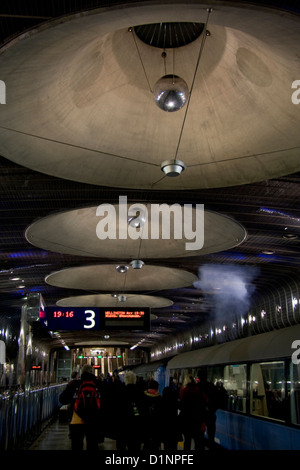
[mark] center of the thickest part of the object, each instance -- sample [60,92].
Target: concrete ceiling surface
[106,278]
[79,232]
[80,126]
[107,300]
[79,106]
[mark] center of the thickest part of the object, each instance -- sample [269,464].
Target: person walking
[170,423]
[129,415]
[192,414]
[151,417]
[84,396]
[215,398]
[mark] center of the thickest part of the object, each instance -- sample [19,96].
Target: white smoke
[228,287]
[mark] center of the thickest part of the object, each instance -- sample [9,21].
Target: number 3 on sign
[90,319]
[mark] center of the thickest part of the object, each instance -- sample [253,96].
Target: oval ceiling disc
[185,232]
[80,107]
[106,278]
[107,300]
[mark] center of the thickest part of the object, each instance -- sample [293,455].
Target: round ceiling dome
[81,95]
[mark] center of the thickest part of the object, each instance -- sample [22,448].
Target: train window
[267,390]
[215,375]
[295,393]
[235,384]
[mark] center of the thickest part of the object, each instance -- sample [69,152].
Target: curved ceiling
[80,123]
[80,106]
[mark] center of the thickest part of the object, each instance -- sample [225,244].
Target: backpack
[87,401]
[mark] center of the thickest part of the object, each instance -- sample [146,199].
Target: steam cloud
[228,287]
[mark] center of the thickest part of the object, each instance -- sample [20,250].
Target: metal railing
[22,415]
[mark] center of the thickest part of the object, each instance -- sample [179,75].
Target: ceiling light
[14,278]
[175,167]
[122,268]
[137,264]
[106,336]
[137,220]
[121,298]
[290,236]
[172,168]
[170,93]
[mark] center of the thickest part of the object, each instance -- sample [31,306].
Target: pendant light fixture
[171,92]
[175,167]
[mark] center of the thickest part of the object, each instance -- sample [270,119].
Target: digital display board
[133,318]
[63,318]
[84,318]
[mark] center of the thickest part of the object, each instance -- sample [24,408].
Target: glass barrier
[22,415]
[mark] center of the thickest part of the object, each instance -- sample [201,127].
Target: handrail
[22,414]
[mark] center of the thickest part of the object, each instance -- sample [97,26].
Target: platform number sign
[81,318]
[61,318]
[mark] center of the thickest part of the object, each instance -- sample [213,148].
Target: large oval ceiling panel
[79,105]
[77,232]
[105,277]
[107,300]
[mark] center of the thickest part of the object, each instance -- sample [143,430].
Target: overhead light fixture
[172,168]
[138,220]
[290,236]
[137,344]
[122,268]
[137,263]
[170,93]
[175,167]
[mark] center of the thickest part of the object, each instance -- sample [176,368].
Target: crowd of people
[138,417]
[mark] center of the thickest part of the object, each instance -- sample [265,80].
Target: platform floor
[56,437]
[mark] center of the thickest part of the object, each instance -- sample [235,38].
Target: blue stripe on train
[238,432]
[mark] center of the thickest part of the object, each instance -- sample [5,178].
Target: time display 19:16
[58,314]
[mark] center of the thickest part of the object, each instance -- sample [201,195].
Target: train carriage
[261,375]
